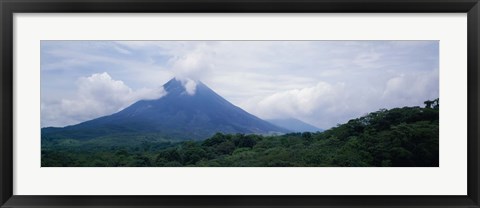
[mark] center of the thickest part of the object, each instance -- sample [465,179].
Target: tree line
[399,137]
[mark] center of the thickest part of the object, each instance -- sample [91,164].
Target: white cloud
[190,65]
[325,105]
[190,87]
[408,87]
[296,102]
[317,104]
[96,95]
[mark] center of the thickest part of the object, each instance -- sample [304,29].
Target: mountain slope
[177,115]
[294,125]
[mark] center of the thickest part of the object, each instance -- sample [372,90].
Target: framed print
[239,104]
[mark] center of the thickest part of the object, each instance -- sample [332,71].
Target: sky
[323,83]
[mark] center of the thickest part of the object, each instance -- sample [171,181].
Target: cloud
[71,59]
[407,87]
[122,50]
[367,60]
[96,95]
[317,104]
[192,64]
[190,86]
[321,82]
[297,102]
[325,104]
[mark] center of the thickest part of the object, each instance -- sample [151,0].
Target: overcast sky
[323,83]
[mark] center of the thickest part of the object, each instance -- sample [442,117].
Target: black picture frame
[9,7]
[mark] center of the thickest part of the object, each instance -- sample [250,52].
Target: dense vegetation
[400,137]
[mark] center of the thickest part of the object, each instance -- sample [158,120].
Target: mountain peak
[176,85]
[173,84]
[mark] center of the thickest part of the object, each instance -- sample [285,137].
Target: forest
[398,137]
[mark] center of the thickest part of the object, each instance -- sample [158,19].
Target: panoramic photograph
[365,103]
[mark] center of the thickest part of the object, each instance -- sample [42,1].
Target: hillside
[399,137]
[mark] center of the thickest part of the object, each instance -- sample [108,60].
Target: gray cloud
[320,82]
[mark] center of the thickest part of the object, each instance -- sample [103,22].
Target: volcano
[180,115]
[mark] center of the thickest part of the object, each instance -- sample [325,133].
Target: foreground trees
[400,137]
